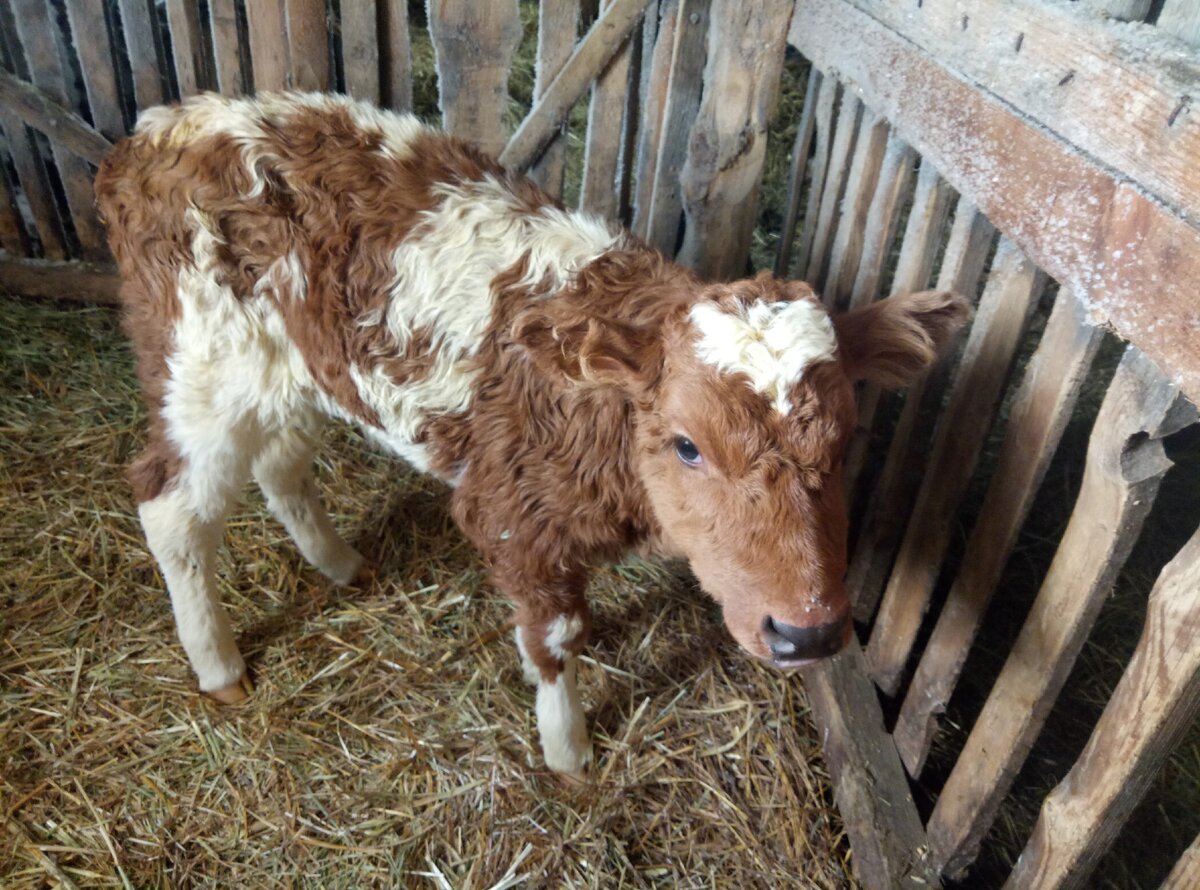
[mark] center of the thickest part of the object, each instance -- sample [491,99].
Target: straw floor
[391,740]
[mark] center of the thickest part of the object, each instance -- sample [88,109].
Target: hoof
[234,693]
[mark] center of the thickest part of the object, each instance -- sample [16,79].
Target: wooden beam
[307,38]
[1186,873]
[887,843]
[187,47]
[360,50]
[1132,261]
[605,164]
[395,56]
[1124,466]
[222,20]
[137,23]
[85,282]
[42,113]
[266,23]
[89,32]
[558,23]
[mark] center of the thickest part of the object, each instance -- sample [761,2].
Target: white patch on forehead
[771,343]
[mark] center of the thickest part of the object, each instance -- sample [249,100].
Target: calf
[291,258]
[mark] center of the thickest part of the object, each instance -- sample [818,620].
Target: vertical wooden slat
[1124,465]
[846,252]
[222,19]
[474,44]
[187,47]
[558,21]
[1148,713]
[395,56]
[723,170]
[308,41]
[893,494]
[896,176]
[797,170]
[360,50]
[137,23]
[34,31]
[1011,295]
[828,95]
[89,32]
[609,120]
[840,153]
[1181,18]
[267,25]
[1186,873]
[12,231]
[1035,424]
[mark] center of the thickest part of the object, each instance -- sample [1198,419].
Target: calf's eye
[687,451]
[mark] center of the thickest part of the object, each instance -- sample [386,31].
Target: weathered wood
[841,150]
[846,252]
[1125,463]
[33,28]
[42,113]
[222,20]
[1061,67]
[1181,18]
[474,43]
[12,230]
[1011,295]
[653,78]
[187,47]
[87,282]
[723,170]
[609,123]
[137,24]
[31,178]
[676,82]
[360,50]
[893,493]
[89,32]
[1036,422]
[1133,261]
[1186,873]
[896,176]
[266,22]
[888,844]
[395,56]
[591,55]
[1121,10]
[558,22]
[1151,709]
[308,41]
[828,99]
[797,170]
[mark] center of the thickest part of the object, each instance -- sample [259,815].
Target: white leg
[529,670]
[185,546]
[561,724]
[283,471]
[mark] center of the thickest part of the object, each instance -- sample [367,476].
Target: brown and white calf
[291,258]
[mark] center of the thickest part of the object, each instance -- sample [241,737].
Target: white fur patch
[529,670]
[562,631]
[561,723]
[771,343]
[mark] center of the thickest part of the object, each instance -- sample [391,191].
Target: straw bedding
[391,740]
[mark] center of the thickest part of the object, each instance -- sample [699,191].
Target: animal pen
[1039,156]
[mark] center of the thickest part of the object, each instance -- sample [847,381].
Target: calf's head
[744,407]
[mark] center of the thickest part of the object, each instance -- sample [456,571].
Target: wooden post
[610,119]
[1011,295]
[1035,424]
[267,25]
[138,25]
[187,47]
[222,20]
[1125,463]
[723,170]
[796,173]
[474,44]
[308,41]
[395,56]
[42,113]
[360,50]
[558,21]
[89,32]
[1186,873]
[1148,713]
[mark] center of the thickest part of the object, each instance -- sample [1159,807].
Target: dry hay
[391,741]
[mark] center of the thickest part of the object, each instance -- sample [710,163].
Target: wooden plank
[592,53]
[896,178]
[841,150]
[1130,259]
[1186,873]
[222,21]
[187,47]
[94,50]
[723,170]
[846,252]
[1036,422]
[610,115]
[653,79]
[558,22]
[308,41]
[267,28]
[42,113]
[474,45]
[13,239]
[86,282]
[896,489]
[797,170]
[887,843]
[31,178]
[828,98]
[137,24]
[1125,463]
[33,28]
[1149,712]
[1060,67]
[1181,18]
[395,56]
[1121,10]
[1010,298]
[360,50]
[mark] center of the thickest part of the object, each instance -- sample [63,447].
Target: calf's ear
[893,341]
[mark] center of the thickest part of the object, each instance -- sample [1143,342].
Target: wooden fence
[988,147]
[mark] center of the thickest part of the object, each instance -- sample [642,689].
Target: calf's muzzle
[792,646]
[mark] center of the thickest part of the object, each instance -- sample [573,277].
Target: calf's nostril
[818,641]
